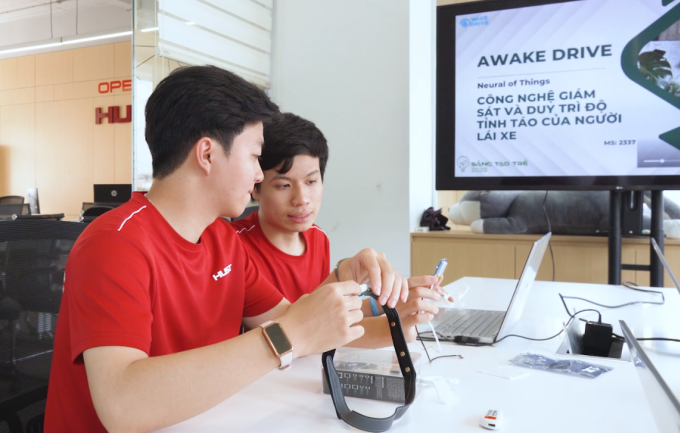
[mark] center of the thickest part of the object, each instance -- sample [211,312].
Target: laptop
[663,403]
[112,193]
[665,264]
[484,326]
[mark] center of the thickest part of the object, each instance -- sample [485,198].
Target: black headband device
[356,419]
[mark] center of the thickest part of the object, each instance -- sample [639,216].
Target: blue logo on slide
[476,21]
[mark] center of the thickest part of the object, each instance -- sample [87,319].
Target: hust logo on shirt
[223,273]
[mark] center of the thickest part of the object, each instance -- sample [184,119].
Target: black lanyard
[356,419]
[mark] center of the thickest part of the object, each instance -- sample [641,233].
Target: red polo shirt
[132,281]
[292,275]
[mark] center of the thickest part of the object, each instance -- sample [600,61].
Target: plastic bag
[572,367]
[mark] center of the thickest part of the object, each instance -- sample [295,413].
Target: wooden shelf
[581,259]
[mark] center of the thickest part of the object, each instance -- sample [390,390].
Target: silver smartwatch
[279,343]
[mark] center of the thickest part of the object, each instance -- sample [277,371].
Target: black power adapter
[597,340]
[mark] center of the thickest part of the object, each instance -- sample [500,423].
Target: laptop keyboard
[472,323]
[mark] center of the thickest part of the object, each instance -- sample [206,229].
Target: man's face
[291,201]
[238,172]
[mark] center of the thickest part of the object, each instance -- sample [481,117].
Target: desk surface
[292,401]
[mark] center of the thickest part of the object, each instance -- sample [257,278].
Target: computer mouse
[492,420]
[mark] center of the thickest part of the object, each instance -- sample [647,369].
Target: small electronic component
[492,420]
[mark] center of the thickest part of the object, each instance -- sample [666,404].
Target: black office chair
[7,211]
[44,216]
[88,215]
[33,256]
[12,199]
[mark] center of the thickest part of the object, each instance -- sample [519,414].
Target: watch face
[278,338]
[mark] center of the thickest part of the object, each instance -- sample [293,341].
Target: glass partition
[232,34]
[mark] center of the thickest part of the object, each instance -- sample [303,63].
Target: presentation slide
[585,88]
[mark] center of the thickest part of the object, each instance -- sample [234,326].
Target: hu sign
[113,115]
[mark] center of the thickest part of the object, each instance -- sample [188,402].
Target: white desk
[292,401]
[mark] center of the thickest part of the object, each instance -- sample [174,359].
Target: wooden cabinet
[580,259]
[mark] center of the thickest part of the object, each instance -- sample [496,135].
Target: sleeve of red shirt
[107,287]
[327,254]
[261,296]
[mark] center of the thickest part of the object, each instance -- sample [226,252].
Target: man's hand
[417,310]
[428,281]
[325,319]
[372,265]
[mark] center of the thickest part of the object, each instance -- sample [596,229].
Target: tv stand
[655,269]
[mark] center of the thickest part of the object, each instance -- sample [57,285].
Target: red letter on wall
[98,115]
[118,119]
[113,114]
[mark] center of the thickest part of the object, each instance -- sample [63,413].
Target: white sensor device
[492,420]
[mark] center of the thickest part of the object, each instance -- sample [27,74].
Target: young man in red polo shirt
[155,292]
[290,250]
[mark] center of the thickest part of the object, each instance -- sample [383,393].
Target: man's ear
[203,152]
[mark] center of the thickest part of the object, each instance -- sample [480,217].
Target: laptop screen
[665,264]
[112,193]
[663,403]
[523,288]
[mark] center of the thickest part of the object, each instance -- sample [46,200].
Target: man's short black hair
[286,136]
[199,101]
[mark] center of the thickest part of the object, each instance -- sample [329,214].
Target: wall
[345,66]
[48,136]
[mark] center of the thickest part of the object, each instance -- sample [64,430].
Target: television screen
[561,94]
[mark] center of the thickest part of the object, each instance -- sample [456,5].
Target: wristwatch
[279,343]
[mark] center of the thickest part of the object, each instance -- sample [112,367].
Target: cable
[599,318]
[571,317]
[51,32]
[439,346]
[552,256]
[628,285]
[428,353]
[76,16]
[631,286]
[620,337]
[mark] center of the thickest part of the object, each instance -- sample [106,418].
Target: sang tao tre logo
[223,273]
[463,162]
[474,21]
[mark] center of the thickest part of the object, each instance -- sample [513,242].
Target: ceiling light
[30,46]
[150,29]
[66,40]
[114,33]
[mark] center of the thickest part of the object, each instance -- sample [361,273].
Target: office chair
[44,216]
[92,212]
[12,199]
[33,256]
[8,210]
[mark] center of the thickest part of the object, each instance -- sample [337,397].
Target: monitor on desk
[112,193]
[663,403]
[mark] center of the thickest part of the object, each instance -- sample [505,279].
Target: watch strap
[356,419]
[286,361]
